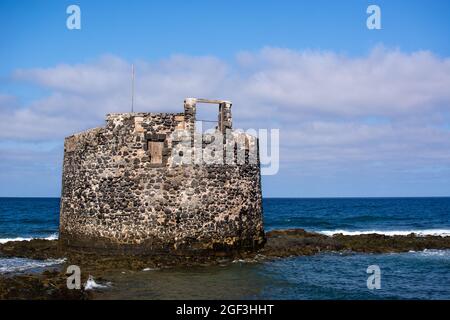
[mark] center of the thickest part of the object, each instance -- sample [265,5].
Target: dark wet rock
[50,285]
[280,243]
[35,249]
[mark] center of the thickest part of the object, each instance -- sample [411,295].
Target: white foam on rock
[50,237]
[92,285]
[10,265]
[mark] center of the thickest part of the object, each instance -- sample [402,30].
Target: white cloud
[98,77]
[384,83]
[7,103]
[386,107]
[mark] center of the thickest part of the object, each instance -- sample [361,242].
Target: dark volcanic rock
[280,243]
[46,286]
[34,249]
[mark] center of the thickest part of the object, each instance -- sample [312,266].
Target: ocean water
[27,218]
[410,275]
[356,215]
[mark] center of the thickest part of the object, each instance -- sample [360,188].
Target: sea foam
[50,237]
[435,253]
[8,265]
[92,285]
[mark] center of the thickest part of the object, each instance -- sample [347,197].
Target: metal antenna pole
[132,88]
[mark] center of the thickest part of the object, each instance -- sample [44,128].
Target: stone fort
[149,182]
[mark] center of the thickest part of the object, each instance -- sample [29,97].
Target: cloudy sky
[361,112]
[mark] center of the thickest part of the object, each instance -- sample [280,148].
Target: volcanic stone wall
[122,189]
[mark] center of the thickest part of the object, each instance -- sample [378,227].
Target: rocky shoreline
[51,284]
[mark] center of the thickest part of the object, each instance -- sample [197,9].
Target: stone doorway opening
[207,118]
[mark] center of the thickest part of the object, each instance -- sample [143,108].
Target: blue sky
[337,140]
[34,31]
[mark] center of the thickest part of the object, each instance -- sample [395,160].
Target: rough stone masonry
[125,188]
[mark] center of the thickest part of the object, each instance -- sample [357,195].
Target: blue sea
[409,275]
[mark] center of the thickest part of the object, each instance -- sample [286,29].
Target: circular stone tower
[149,183]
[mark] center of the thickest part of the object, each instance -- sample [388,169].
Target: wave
[8,265]
[92,285]
[53,236]
[150,269]
[435,252]
[422,233]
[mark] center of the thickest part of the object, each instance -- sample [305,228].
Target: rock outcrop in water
[280,244]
